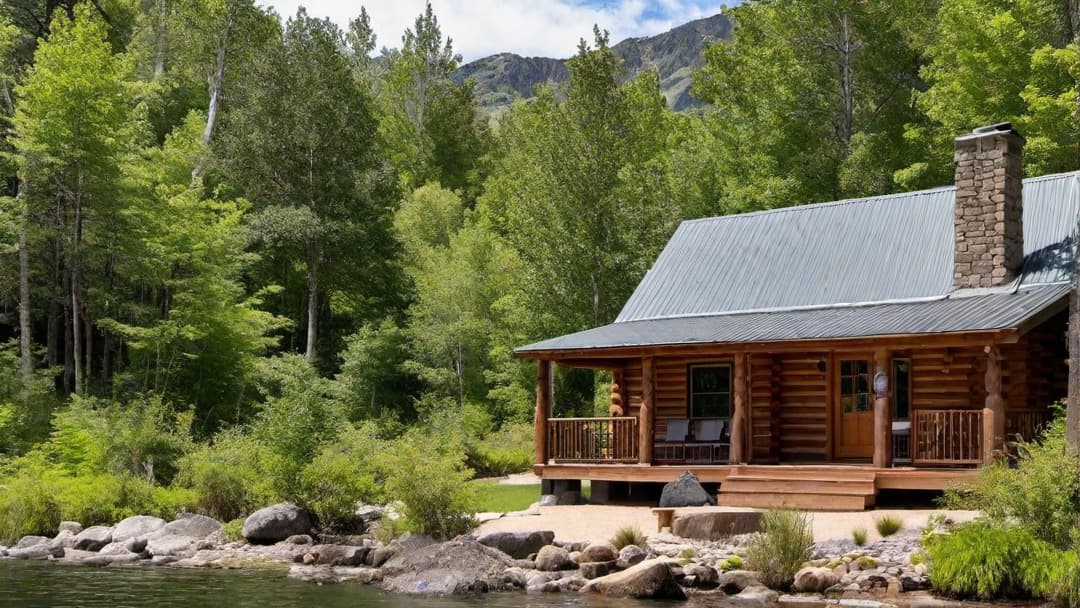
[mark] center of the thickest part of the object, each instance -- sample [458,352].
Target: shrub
[234,530]
[888,525]
[427,474]
[859,536]
[732,563]
[339,477]
[508,450]
[226,477]
[781,548]
[628,535]
[986,560]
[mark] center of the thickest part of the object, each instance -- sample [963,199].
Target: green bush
[888,525]
[858,535]
[986,560]
[508,450]
[427,474]
[628,535]
[340,476]
[781,548]
[732,563]
[226,476]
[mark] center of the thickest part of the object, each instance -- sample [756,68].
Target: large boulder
[190,524]
[814,580]
[715,525]
[174,545]
[552,558]
[137,526]
[685,491]
[518,545]
[700,575]
[734,581]
[339,555]
[93,538]
[631,555]
[456,567]
[276,523]
[30,541]
[71,526]
[41,550]
[649,579]
[598,552]
[756,596]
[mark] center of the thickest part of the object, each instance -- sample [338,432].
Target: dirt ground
[599,522]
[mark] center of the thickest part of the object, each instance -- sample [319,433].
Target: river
[33,584]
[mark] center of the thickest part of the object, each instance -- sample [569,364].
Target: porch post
[646,420]
[994,408]
[543,409]
[618,404]
[737,451]
[882,413]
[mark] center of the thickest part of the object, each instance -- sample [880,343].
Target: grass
[631,535]
[503,498]
[887,525]
[859,536]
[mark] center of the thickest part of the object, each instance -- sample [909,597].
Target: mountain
[675,54]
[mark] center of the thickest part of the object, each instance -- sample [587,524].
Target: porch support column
[618,403]
[543,409]
[994,408]
[737,451]
[647,415]
[882,413]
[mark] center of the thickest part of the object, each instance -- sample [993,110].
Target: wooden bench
[664,517]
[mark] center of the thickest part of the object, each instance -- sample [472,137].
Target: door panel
[854,407]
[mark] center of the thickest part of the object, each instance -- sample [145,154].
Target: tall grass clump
[858,536]
[781,548]
[887,525]
[628,535]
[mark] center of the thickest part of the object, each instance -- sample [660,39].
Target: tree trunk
[313,301]
[26,361]
[1072,403]
[161,39]
[846,49]
[216,81]
[76,307]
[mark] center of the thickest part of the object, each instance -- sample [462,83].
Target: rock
[705,577]
[316,574]
[171,544]
[190,524]
[339,555]
[139,525]
[630,555]
[136,545]
[43,550]
[756,596]
[735,581]
[518,545]
[685,491]
[914,582]
[115,548]
[299,539]
[649,579]
[551,558]
[369,513]
[598,552]
[30,541]
[65,538]
[276,523]
[380,556]
[814,580]
[715,525]
[70,526]
[456,567]
[801,601]
[93,538]
[597,569]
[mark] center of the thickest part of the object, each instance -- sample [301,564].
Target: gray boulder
[685,491]
[299,539]
[43,550]
[93,538]
[756,596]
[171,544]
[190,524]
[339,555]
[276,523]
[715,525]
[596,569]
[71,526]
[552,558]
[598,552]
[701,575]
[649,579]
[630,555]
[518,545]
[65,538]
[457,567]
[814,580]
[139,525]
[30,541]
[735,581]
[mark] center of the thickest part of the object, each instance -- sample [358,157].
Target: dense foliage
[244,259]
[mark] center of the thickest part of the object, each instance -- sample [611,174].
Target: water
[31,584]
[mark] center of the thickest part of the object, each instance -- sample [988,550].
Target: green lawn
[503,498]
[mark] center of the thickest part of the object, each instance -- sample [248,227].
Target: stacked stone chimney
[989,210]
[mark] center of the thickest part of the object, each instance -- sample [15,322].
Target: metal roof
[985,312]
[752,277]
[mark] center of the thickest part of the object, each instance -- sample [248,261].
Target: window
[901,389]
[710,391]
[855,385]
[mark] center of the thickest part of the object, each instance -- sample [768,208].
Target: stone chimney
[989,209]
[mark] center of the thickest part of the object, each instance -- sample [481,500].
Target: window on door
[855,386]
[710,391]
[901,389]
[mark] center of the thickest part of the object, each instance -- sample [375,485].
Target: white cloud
[549,28]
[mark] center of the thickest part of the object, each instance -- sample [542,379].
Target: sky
[547,28]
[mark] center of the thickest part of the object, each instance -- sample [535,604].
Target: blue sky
[548,28]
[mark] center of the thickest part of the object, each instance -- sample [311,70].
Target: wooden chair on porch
[673,447]
[712,438]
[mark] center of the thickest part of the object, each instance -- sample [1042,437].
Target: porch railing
[1025,423]
[947,437]
[597,440]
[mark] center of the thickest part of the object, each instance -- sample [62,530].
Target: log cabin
[814,356]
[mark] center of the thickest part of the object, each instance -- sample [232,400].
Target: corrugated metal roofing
[751,277]
[986,312]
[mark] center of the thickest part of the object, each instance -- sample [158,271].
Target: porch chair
[710,439]
[673,447]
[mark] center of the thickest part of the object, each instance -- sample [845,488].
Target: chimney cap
[1001,128]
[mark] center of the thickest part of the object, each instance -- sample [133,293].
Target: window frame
[690,393]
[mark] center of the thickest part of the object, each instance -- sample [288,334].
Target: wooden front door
[854,407]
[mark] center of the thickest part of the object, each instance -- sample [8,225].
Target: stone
[114,548]
[70,526]
[316,574]
[43,550]
[551,558]
[715,525]
[380,556]
[705,577]
[914,582]
[685,491]
[756,596]
[136,545]
[170,544]
[814,580]
[65,538]
[369,513]
[598,552]
[518,545]
[630,555]
[299,539]
[276,523]
[591,570]
[139,525]
[93,538]
[801,601]
[457,567]
[734,581]
[30,541]
[339,555]
[649,579]
[191,524]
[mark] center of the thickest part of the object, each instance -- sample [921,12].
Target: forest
[247,257]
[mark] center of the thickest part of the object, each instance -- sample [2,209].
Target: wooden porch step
[820,488]
[744,484]
[806,502]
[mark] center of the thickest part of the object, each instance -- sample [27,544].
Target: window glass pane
[861,384]
[861,366]
[845,386]
[711,379]
[845,368]
[710,392]
[711,406]
[862,402]
[901,389]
